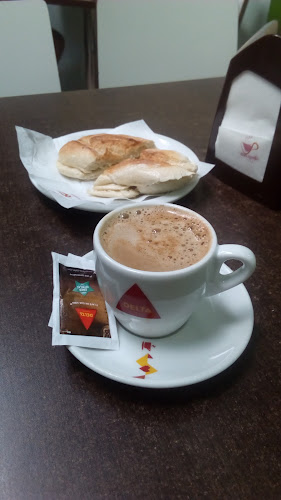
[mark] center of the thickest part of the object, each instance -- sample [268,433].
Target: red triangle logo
[87,316]
[135,303]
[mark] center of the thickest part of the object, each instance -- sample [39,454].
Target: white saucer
[212,340]
[94,205]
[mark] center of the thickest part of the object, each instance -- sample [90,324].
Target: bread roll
[154,172]
[88,156]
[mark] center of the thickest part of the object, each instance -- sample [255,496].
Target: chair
[153,41]
[270,28]
[27,55]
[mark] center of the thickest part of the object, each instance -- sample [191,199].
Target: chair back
[27,55]
[270,28]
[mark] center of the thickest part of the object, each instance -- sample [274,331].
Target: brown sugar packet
[80,315]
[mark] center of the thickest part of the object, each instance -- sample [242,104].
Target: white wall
[69,22]
[152,41]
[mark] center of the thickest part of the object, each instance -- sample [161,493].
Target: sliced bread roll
[154,172]
[88,156]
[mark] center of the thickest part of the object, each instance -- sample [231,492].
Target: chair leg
[90,22]
[59,44]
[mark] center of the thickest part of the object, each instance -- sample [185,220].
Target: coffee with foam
[156,238]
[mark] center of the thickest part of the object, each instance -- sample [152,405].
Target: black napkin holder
[262,57]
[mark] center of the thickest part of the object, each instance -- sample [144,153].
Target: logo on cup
[135,303]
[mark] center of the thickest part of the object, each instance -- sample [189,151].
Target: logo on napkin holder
[248,148]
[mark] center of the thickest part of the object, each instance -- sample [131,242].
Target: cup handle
[218,282]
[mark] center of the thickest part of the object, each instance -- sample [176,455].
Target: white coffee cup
[155,304]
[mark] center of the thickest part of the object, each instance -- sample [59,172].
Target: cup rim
[152,274]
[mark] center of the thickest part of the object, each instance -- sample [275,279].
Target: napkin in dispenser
[245,142]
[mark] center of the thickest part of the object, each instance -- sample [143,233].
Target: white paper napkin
[245,136]
[39,153]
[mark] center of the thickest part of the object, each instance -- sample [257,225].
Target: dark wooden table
[68,433]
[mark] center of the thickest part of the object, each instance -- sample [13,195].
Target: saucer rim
[80,353]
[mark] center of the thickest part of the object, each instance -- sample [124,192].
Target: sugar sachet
[80,315]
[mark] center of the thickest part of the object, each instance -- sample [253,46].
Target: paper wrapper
[39,154]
